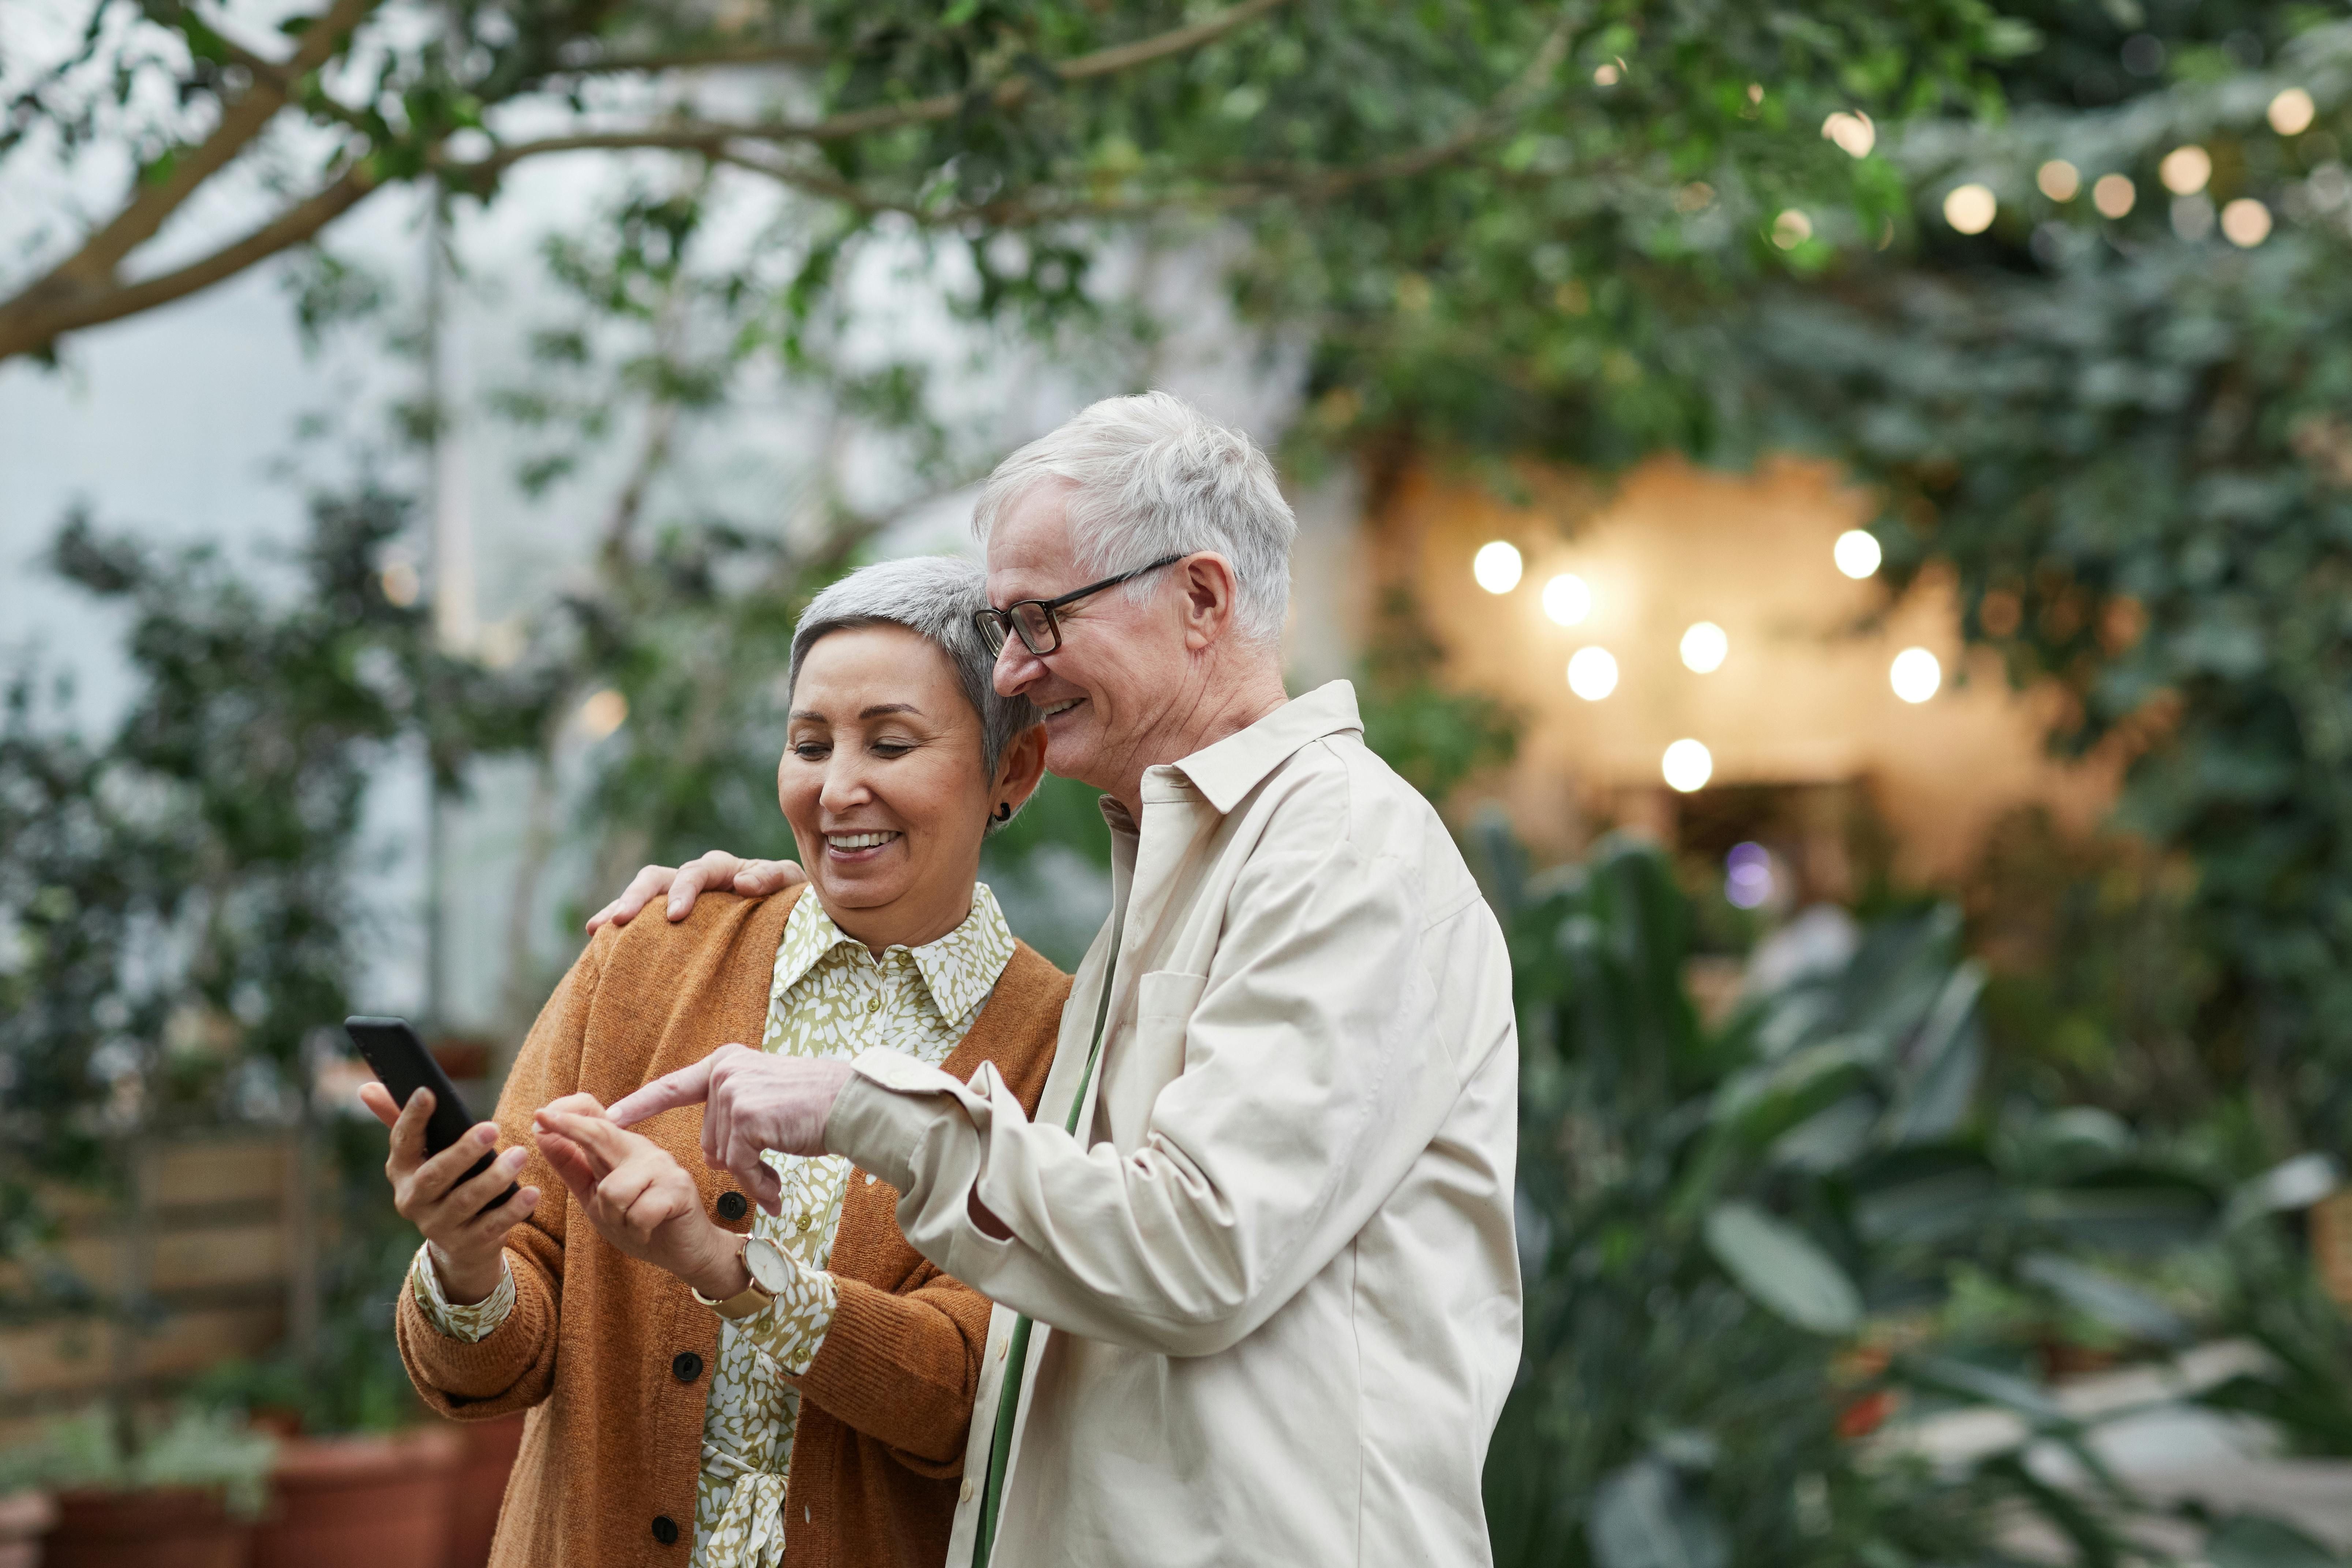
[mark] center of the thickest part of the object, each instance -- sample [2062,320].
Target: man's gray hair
[933,596]
[1152,475]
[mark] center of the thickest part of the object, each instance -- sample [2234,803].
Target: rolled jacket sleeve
[1313,1074]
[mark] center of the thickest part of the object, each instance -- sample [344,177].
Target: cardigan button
[733,1205]
[686,1366]
[664,1529]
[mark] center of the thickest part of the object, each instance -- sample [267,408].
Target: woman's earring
[1005,811]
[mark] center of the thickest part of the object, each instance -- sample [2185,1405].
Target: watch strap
[750,1302]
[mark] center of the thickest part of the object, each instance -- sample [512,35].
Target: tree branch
[240,123]
[82,290]
[739,54]
[31,321]
[888,117]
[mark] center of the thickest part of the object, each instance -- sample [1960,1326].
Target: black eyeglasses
[1040,633]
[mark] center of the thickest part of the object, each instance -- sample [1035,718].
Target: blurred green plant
[182,902]
[196,1446]
[1742,1247]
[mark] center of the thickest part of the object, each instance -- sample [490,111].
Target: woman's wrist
[465,1281]
[718,1272]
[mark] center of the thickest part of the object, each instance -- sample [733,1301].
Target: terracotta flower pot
[360,1503]
[481,1487]
[24,1518]
[170,1527]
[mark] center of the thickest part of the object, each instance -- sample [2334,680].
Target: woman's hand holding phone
[638,1196]
[467,1242]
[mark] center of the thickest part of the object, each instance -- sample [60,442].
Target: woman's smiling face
[883,783]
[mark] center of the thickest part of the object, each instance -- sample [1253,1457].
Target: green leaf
[2297,1185]
[1783,1270]
[2103,1296]
[2258,1541]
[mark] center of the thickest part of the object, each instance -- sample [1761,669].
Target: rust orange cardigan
[613,1357]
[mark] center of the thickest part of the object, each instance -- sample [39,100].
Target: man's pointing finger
[687,1086]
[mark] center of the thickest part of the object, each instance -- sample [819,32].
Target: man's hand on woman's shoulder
[684,884]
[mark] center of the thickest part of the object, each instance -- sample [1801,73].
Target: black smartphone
[400,1061]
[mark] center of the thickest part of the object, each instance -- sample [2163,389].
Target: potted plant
[183,1497]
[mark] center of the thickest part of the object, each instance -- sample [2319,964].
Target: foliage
[184,899]
[1331,126]
[196,1448]
[1432,736]
[1743,1247]
[2124,440]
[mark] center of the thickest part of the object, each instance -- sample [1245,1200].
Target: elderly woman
[712,1381]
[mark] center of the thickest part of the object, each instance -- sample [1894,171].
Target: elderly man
[1257,1292]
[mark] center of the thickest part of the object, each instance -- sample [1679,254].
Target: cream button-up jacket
[1275,1285]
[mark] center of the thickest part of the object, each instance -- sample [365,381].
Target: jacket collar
[959,969]
[1237,765]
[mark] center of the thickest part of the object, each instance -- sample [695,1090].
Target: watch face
[771,1270]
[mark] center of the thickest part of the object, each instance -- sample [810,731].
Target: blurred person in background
[1265,1307]
[713,1379]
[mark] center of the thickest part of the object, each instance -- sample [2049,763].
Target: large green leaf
[1781,1268]
[2258,1541]
[2106,1298]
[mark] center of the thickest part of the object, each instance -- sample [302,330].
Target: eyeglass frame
[998,627]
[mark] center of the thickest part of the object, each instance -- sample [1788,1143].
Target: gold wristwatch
[769,1271]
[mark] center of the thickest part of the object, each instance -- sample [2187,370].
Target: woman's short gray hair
[934,597]
[1152,475]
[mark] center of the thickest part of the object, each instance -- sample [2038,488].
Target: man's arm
[1313,1075]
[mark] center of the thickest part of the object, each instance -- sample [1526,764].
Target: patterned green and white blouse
[829,998]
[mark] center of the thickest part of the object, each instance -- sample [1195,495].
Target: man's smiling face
[1121,668]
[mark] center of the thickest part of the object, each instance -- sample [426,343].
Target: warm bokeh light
[1791,230]
[401,584]
[1687,766]
[1566,599]
[1853,133]
[1856,552]
[1970,208]
[2114,195]
[604,712]
[2185,170]
[2246,223]
[1916,675]
[1704,648]
[1497,566]
[2291,112]
[1606,74]
[2059,180]
[1592,673]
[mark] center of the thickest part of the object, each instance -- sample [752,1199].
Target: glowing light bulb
[2059,180]
[2291,112]
[1704,648]
[1916,675]
[2185,170]
[604,712]
[1592,673]
[1856,554]
[2246,223]
[1687,766]
[1497,566]
[1567,599]
[1970,208]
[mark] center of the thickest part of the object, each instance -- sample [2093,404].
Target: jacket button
[733,1205]
[686,1366]
[963,1492]
[664,1529]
